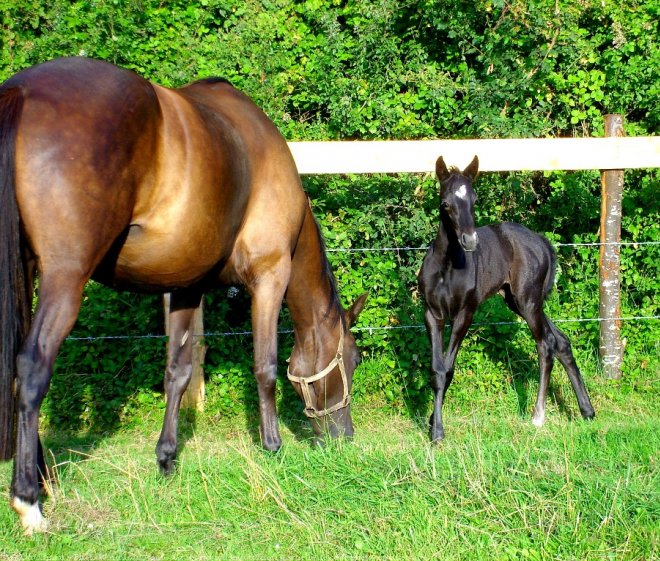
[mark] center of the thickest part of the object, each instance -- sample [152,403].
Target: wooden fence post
[611,346]
[194,396]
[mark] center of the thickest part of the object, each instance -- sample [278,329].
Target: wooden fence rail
[611,155]
[528,154]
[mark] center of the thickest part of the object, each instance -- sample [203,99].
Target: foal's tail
[15,305]
[552,268]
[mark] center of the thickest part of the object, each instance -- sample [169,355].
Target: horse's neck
[446,245]
[312,301]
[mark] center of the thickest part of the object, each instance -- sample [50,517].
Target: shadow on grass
[62,448]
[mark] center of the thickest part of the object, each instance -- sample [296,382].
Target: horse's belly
[165,260]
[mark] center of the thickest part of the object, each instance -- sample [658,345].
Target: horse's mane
[335,303]
[213,80]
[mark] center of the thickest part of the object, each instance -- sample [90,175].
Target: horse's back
[530,256]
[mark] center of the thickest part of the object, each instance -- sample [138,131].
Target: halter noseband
[305,382]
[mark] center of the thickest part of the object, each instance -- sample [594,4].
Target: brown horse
[104,175]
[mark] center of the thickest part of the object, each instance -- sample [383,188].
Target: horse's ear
[354,311]
[441,170]
[472,170]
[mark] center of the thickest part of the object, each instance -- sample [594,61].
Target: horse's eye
[444,204]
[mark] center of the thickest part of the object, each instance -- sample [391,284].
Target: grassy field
[497,488]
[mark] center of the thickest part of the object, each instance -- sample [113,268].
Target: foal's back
[510,254]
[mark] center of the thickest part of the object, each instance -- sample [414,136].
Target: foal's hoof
[588,415]
[436,433]
[30,516]
[538,420]
[166,466]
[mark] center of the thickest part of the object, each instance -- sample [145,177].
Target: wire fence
[372,329]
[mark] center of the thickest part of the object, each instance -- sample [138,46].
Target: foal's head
[457,198]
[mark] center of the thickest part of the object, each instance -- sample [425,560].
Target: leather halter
[305,382]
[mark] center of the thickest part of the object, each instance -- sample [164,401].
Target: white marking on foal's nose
[461,192]
[469,241]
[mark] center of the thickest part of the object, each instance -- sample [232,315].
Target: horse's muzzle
[469,242]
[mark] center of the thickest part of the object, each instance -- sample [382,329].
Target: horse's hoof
[30,516]
[437,438]
[436,433]
[166,466]
[538,420]
[272,445]
[589,415]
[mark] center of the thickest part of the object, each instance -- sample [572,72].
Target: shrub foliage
[380,69]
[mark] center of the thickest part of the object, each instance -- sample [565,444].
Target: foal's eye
[444,204]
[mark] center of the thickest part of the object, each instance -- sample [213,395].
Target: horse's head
[327,393]
[457,198]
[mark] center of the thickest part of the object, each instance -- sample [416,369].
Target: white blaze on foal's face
[461,192]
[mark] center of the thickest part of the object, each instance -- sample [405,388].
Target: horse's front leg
[443,366]
[54,318]
[267,297]
[177,373]
[435,327]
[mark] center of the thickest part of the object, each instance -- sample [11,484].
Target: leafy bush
[343,69]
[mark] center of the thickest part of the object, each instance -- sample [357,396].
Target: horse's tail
[15,305]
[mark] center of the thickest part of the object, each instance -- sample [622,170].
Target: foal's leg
[59,302]
[435,328]
[565,356]
[177,373]
[545,347]
[443,366]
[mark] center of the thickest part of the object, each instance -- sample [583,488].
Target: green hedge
[343,69]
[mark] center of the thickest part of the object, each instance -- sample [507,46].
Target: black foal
[464,266]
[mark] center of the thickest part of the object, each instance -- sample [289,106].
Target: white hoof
[30,515]
[538,421]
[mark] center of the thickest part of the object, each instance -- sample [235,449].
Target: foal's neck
[446,241]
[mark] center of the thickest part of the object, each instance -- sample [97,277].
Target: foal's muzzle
[469,241]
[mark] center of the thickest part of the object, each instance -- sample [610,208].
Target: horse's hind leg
[545,346]
[565,355]
[177,373]
[59,302]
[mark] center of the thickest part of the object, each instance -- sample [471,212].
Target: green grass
[497,488]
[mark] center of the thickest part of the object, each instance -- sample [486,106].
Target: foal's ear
[354,311]
[472,170]
[441,170]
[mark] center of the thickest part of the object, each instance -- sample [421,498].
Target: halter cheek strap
[306,382]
